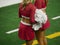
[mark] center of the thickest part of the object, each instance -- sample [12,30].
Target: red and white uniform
[25,30]
[41,4]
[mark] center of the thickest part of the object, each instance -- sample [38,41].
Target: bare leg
[45,40]
[29,42]
[41,37]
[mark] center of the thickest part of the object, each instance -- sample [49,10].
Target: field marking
[34,42]
[4,3]
[57,17]
[51,36]
[12,31]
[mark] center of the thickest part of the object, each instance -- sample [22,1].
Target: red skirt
[26,32]
[45,26]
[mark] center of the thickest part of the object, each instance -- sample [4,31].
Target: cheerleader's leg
[40,35]
[29,42]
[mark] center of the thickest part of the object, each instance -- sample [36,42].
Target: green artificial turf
[9,20]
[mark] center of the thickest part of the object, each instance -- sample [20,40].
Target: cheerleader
[26,13]
[40,33]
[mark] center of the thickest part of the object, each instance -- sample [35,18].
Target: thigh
[29,42]
[40,34]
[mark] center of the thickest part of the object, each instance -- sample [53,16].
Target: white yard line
[12,31]
[54,18]
[4,3]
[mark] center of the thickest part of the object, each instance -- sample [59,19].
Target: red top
[28,11]
[40,4]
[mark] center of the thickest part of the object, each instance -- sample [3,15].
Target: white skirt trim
[25,17]
[25,23]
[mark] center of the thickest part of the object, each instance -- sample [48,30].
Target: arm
[32,13]
[45,6]
[19,12]
[46,1]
